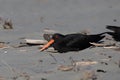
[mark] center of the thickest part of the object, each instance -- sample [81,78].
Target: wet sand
[31,17]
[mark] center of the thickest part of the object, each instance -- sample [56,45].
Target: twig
[53,57]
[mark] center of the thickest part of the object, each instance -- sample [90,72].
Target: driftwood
[111,47]
[76,64]
[102,44]
[34,41]
[107,46]
[65,68]
[3,45]
[84,63]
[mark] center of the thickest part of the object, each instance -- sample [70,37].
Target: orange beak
[47,45]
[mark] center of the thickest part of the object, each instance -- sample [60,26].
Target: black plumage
[116,32]
[73,42]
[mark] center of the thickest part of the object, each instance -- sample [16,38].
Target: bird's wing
[67,39]
[76,40]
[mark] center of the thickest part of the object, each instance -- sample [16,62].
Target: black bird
[116,32]
[72,42]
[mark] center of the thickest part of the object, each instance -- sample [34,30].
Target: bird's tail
[97,37]
[113,28]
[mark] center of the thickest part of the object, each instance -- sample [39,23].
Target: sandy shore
[31,17]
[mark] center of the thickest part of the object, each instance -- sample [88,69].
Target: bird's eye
[56,37]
